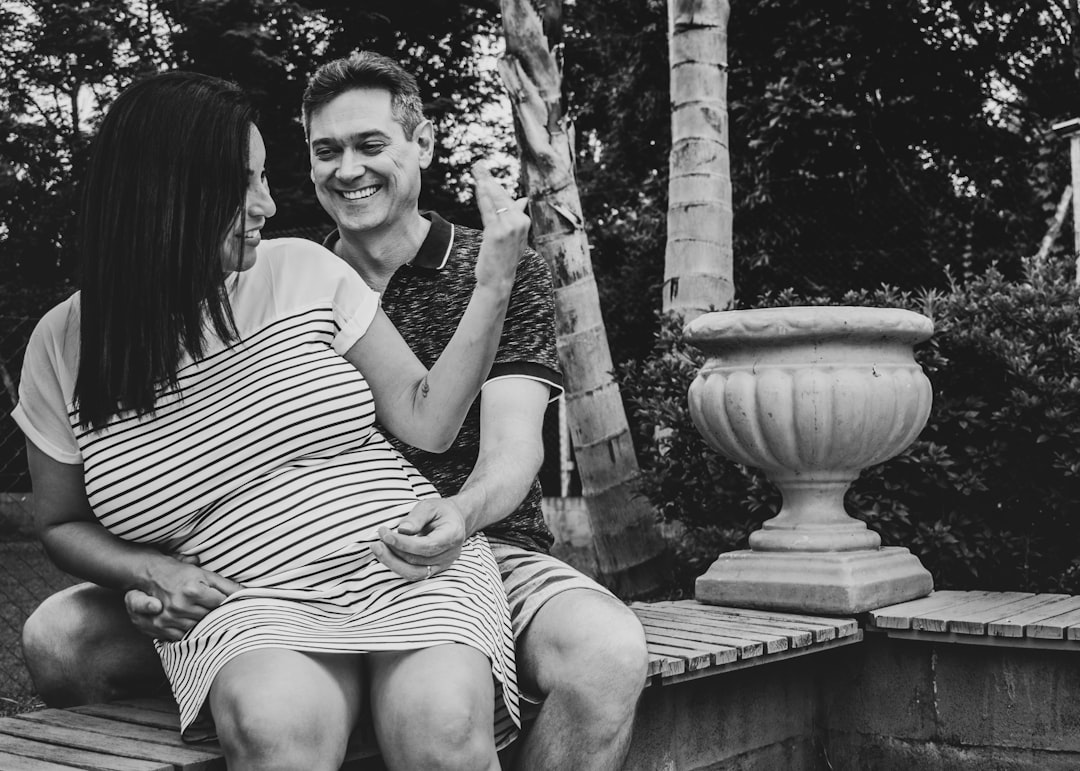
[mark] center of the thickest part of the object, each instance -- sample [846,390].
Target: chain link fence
[26,574]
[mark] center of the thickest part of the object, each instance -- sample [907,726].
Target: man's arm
[511,451]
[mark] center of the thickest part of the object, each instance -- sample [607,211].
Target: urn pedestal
[812,396]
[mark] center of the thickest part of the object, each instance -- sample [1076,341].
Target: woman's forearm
[443,396]
[88,551]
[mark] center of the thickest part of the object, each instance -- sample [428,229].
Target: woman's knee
[280,709]
[436,716]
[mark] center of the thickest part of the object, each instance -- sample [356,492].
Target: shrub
[988,494]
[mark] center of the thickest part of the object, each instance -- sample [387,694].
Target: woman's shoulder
[301,272]
[297,254]
[60,323]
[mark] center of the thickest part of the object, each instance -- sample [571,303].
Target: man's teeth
[365,192]
[251,233]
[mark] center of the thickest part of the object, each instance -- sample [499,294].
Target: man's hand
[178,595]
[429,537]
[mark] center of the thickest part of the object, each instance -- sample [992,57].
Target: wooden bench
[686,640]
[1013,619]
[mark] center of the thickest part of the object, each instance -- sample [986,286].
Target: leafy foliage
[986,496]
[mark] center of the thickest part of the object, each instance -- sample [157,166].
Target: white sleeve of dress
[355,305]
[45,390]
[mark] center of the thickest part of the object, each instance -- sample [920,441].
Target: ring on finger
[502,210]
[428,573]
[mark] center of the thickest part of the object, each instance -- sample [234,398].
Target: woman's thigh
[433,708]
[279,708]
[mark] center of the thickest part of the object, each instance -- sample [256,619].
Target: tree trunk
[698,258]
[630,552]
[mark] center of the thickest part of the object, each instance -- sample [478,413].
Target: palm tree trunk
[630,552]
[698,274]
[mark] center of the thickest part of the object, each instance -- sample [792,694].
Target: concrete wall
[898,704]
[876,706]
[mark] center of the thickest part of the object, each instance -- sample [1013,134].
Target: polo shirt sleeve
[527,346]
[46,386]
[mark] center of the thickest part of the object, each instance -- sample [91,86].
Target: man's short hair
[365,69]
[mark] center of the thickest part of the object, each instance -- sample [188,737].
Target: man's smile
[364,192]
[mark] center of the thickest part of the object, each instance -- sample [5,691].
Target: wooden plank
[823,627]
[726,649]
[670,660]
[10,762]
[948,638]
[129,714]
[773,642]
[942,620]
[737,625]
[1042,607]
[154,704]
[694,656]
[717,652]
[972,618]
[900,616]
[58,753]
[745,648]
[762,660]
[185,751]
[1056,627]
[85,740]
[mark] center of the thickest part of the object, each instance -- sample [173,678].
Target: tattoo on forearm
[424,387]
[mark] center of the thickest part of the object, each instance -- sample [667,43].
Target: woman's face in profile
[239,250]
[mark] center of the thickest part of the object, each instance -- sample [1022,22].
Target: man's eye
[323,153]
[372,148]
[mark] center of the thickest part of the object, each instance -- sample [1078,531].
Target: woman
[212,396]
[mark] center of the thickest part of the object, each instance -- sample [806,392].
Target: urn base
[814,582]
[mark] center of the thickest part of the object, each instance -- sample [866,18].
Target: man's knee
[79,647]
[588,647]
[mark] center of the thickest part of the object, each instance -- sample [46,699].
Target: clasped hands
[179,593]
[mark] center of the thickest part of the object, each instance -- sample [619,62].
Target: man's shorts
[532,578]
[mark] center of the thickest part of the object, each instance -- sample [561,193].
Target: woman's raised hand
[506,231]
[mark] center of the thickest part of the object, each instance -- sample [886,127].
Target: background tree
[628,547]
[697,259]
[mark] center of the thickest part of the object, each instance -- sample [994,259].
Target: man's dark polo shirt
[425,299]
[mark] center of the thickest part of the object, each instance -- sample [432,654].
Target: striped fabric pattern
[265,464]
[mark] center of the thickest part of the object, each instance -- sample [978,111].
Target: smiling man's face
[365,168]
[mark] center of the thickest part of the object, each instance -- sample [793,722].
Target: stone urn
[812,396]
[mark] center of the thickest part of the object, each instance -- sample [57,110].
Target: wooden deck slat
[900,616]
[1041,607]
[169,737]
[939,620]
[823,627]
[972,618]
[135,715]
[1056,627]
[84,759]
[774,643]
[738,648]
[744,647]
[96,742]
[735,625]
[10,762]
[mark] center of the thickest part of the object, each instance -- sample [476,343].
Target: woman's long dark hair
[166,180]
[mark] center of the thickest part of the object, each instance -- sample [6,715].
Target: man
[581,652]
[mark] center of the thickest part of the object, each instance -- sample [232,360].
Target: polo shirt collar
[433,252]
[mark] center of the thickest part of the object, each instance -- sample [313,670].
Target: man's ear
[424,136]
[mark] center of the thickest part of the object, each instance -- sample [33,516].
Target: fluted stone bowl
[812,396]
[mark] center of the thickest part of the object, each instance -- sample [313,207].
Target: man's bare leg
[81,648]
[585,653]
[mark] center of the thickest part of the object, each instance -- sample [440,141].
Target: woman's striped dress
[266,466]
